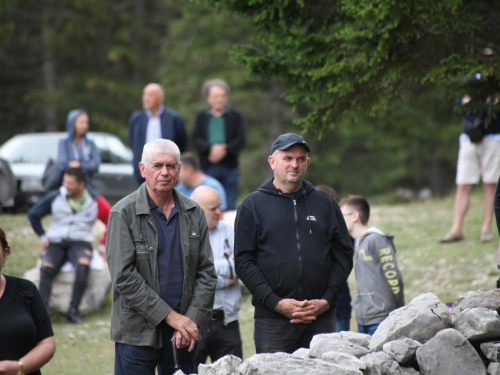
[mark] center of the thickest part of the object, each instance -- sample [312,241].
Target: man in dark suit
[153,122]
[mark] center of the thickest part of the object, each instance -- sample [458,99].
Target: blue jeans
[343,325]
[133,360]
[228,179]
[369,330]
[272,335]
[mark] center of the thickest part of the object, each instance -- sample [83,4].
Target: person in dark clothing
[26,338]
[153,122]
[292,252]
[343,309]
[219,135]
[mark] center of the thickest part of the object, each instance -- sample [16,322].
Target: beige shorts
[477,160]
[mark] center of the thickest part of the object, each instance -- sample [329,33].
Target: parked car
[7,185]
[28,155]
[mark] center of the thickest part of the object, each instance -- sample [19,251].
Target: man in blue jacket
[153,122]
[292,251]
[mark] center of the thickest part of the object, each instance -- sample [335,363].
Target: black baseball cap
[289,139]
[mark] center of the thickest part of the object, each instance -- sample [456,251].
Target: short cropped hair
[360,205]
[190,159]
[214,82]
[79,173]
[330,191]
[160,146]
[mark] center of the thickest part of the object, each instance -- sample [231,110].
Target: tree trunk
[277,125]
[49,86]
[137,31]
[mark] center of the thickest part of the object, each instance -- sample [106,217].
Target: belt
[217,314]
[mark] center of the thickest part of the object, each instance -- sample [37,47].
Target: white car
[28,155]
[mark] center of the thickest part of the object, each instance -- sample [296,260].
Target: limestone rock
[419,320]
[493,368]
[489,299]
[491,350]
[449,353]
[478,323]
[227,365]
[287,364]
[332,342]
[403,350]
[379,363]
[410,371]
[356,338]
[301,352]
[344,359]
[95,296]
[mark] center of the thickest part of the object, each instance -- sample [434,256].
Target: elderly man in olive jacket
[162,269]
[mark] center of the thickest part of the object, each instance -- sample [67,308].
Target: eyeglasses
[351,213]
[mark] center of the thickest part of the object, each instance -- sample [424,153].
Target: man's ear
[271,161]
[356,217]
[141,168]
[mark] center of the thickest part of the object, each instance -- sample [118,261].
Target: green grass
[445,270]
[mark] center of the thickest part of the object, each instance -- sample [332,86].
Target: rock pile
[424,337]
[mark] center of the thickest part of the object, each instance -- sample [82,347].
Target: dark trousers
[279,335]
[229,181]
[56,254]
[133,360]
[220,341]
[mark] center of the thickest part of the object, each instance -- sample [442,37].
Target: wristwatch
[21,369]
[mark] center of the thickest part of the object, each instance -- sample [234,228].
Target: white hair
[160,146]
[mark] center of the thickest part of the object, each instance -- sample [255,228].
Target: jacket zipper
[298,246]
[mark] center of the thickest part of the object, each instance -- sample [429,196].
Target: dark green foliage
[343,56]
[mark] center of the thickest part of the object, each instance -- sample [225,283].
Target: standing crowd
[177,268]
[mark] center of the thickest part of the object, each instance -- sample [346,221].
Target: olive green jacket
[131,249]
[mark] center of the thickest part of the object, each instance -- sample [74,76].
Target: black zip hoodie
[291,247]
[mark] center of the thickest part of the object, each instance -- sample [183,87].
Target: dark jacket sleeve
[135,138]
[246,259]
[236,144]
[180,133]
[497,206]
[200,139]
[41,209]
[342,259]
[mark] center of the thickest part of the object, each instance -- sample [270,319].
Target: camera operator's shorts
[476,160]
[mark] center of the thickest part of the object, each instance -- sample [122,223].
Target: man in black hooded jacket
[292,251]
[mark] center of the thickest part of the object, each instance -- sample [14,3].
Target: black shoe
[498,284]
[73,316]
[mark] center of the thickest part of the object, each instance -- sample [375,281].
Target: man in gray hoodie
[379,281]
[74,212]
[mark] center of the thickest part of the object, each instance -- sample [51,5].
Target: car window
[119,153]
[101,143]
[26,150]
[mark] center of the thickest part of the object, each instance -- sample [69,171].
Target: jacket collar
[142,203]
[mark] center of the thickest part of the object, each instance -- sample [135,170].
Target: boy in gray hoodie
[379,281]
